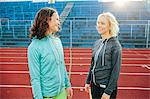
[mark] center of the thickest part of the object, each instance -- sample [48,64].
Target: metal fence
[83,33]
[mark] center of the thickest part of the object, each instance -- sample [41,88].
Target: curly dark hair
[40,24]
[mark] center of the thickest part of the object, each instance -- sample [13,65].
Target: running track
[134,80]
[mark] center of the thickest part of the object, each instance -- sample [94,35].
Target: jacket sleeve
[116,63]
[88,79]
[66,78]
[67,81]
[34,69]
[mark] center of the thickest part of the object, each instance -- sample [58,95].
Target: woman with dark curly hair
[47,69]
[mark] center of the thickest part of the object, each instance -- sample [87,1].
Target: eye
[102,23]
[98,22]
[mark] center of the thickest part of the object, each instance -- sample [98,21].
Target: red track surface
[134,80]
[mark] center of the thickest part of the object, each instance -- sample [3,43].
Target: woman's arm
[34,69]
[116,63]
[88,79]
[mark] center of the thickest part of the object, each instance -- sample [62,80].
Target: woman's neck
[106,36]
[48,33]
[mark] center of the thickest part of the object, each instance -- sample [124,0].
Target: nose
[60,22]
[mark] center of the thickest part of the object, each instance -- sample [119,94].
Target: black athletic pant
[97,92]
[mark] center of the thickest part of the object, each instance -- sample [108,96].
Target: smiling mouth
[59,28]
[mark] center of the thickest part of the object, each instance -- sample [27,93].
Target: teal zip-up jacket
[47,67]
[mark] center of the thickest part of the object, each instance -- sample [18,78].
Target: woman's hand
[105,96]
[69,92]
[87,87]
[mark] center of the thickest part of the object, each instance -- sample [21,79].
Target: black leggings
[97,92]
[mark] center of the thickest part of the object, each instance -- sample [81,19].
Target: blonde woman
[106,60]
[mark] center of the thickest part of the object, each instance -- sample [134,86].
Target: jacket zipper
[57,64]
[99,49]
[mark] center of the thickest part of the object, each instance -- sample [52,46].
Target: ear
[110,29]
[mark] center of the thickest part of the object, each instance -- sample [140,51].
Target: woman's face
[103,25]
[54,23]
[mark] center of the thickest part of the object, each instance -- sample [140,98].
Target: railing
[148,34]
[133,33]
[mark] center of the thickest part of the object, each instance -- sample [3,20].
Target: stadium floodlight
[51,1]
[118,2]
[121,3]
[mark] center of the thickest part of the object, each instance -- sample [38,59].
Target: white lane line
[146,66]
[145,74]
[28,86]
[20,72]
[14,63]
[122,88]
[133,88]
[15,86]
[77,73]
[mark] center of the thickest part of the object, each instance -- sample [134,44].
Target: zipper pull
[92,70]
